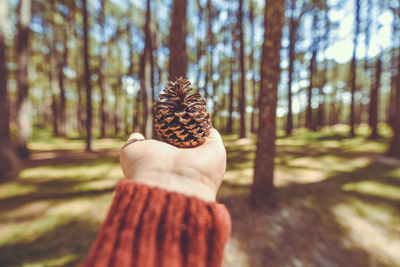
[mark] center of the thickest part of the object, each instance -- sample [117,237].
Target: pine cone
[180,117]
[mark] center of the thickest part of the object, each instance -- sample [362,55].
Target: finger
[132,139]
[213,141]
[214,138]
[137,136]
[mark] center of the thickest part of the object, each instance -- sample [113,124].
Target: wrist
[195,186]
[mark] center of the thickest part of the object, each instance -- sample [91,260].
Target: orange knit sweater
[148,227]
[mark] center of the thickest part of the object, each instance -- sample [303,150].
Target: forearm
[148,226]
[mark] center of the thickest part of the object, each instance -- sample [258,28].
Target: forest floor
[339,202]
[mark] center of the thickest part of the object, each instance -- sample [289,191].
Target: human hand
[191,171]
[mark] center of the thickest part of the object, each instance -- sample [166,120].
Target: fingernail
[136,136]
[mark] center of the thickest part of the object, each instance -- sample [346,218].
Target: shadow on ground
[350,217]
[346,219]
[56,208]
[66,244]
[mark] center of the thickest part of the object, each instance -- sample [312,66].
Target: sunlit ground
[339,202]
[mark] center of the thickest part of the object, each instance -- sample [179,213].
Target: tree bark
[102,78]
[391,110]
[333,110]
[79,113]
[321,115]
[146,83]
[252,66]
[353,67]
[394,149]
[116,107]
[23,102]
[63,99]
[177,66]
[292,43]
[135,102]
[9,163]
[314,48]
[373,100]
[87,77]
[63,62]
[54,74]
[199,45]
[242,92]
[4,100]
[229,125]
[210,54]
[309,117]
[54,93]
[262,191]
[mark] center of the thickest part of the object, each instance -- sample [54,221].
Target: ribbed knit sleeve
[148,227]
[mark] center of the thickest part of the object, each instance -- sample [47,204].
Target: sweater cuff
[148,226]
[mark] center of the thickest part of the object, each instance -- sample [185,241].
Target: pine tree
[252,67]
[9,163]
[394,149]
[102,77]
[87,77]
[22,53]
[373,100]
[262,191]
[242,91]
[146,77]
[177,66]
[353,66]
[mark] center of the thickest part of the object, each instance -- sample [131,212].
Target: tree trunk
[210,83]
[54,92]
[4,101]
[87,77]
[102,82]
[146,83]
[309,117]
[103,116]
[321,100]
[292,43]
[394,149]
[321,116]
[242,92]
[229,125]
[61,82]
[23,102]
[373,100]
[63,101]
[314,48]
[367,27]
[116,107]
[200,50]
[210,55]
[54,75]
[135,108]
[79,113]
[9,163]
[391,110]
[353,67]
[252,66]
[126,113]
[177,66]
[262,191]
